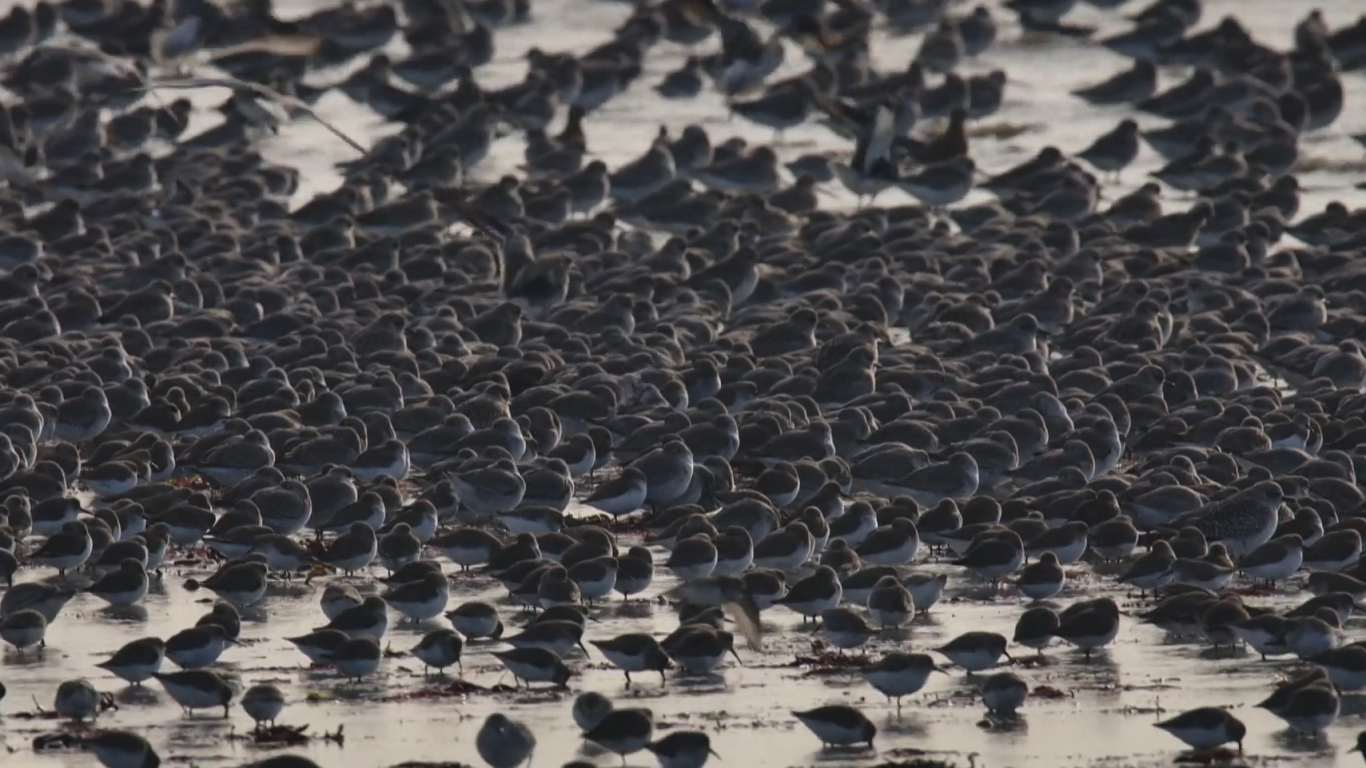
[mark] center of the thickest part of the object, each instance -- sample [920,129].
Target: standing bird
[623,731]
[504,743]
[838,726]
[1206,728]
[540,285]
[1114,151]
[121,749]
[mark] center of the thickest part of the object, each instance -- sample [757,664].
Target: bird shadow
[139,695]
[125,613]
[904,724]
[29,657]
[832,754]
[997,722]
[1298,742]
[1353,704]
[635,609]
[694,684]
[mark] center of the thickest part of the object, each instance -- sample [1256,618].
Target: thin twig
[257,90]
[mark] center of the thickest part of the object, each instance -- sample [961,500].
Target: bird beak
[713,753]
[736,654]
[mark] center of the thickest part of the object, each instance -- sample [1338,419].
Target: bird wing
[745,614]
[880,134]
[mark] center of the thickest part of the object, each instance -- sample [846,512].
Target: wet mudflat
[1080,713]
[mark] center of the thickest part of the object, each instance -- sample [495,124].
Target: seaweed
[451,690]
[289,736]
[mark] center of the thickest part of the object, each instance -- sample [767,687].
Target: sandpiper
[476,620]
[1036,627]
[1003,693]
[1308,636]
[554,587]
[1346,666]
[319,644]
[894,544]
[263,703]
[504,743]
[77,700]
[838,726]
[241,584]
[125,586]
[121,749]
[1334,551]
[635,653]
[352,550]
[692,558]
[558,637]
[900,674]
[1042,580]
[356,658]
[635,571]
[995,557]
[337,598]
[23,629]
[467,546]
[784,549]
[595,577]
[1275,560]
[623,731]
[137,661]
[196,647]
[1153,570]
[1311,709]
[534,665]
[197,689]
[699,649]
[1205,728]
[925,589]
[667,470]
[1089,624]
[975,651]
[369,619]
[889,603]
[223,615]
[439,648]
[68,548]
[814,594]
[621,495]
[420,600]
[845,628]
[589,709]
[682,749]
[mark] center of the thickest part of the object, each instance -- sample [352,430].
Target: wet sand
[1099,711]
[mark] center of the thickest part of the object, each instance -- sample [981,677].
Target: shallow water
[1108,704]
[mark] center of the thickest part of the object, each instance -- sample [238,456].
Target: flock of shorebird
[799,405]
